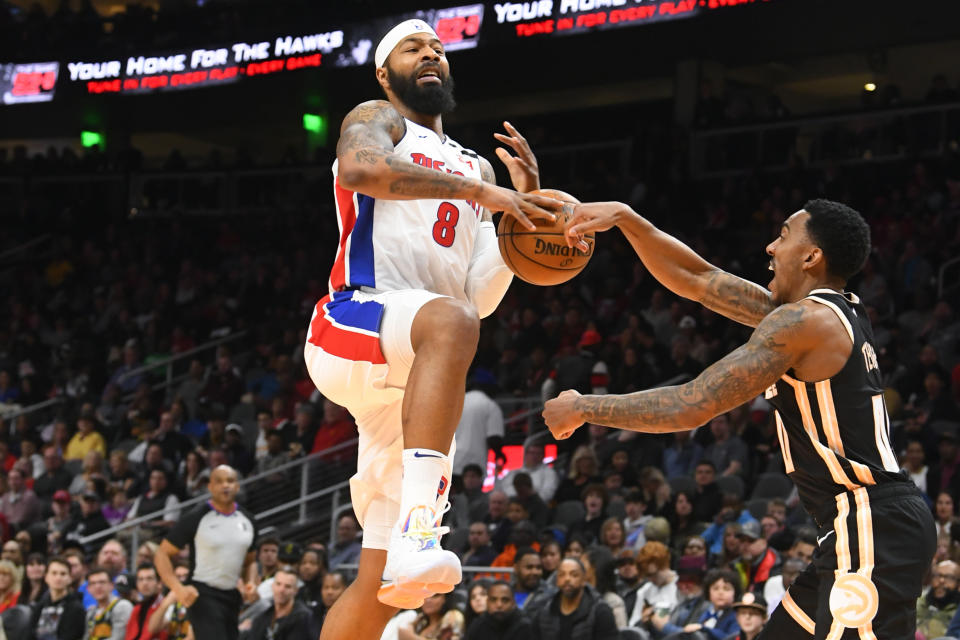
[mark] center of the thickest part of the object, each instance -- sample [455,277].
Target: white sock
[423,473]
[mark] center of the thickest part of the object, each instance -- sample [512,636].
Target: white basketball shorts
[359,354]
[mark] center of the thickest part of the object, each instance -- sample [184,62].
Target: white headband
[397,35]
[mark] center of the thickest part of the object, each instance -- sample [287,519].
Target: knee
[453,323]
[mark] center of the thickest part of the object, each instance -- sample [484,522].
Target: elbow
[351,177]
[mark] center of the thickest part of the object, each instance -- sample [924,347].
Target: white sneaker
[417,566]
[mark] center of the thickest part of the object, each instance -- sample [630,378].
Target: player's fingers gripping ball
[542,256]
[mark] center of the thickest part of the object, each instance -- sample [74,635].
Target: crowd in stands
[694,533]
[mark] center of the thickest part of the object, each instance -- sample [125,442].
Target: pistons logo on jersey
[442,487]
[440,165]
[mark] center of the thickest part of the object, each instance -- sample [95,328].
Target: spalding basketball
[542,256]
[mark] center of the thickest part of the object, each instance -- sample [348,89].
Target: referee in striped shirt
[221,536]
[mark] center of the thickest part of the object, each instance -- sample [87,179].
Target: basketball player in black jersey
[813,357]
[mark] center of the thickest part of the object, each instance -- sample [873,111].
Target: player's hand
[562,415]
[521,206]
[524,172]
[594,216]
[187,595]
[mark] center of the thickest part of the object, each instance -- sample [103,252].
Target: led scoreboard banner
[30,82]
[352,45]
[461,27]
[569,17]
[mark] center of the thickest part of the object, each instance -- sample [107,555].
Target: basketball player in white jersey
[416,269]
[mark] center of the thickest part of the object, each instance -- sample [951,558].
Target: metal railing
[849,138]
[171,360]
[255,490]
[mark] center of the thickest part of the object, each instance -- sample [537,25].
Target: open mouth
[429,76]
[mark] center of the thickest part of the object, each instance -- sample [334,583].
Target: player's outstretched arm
[675,264]
[777,344]
[367,163]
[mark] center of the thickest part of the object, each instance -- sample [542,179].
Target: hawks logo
[853,600]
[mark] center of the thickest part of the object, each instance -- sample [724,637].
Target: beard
[431,99]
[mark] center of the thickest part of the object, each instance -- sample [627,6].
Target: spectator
[804,545]
[613,535]
[35,585]
[525,495]
[113,557]
[551,553]
[751,616]
[174,444]
[119,475]
[682,456]
[480,552]
[196,474]
[91,468]
[944,511]
[336,428]
[91,521]
[544,478]
[10,585]
[107,619]
[937,607]
[302,432]
[707,501]
[576,611]
[594,498]
[57,524]
[157,499]
[171,616]
[718,620]
[436,619]
[123,377]
[522,534]
[472,476]
[224,387]
[636,519]
[584,470]
[264,427]
[334,584]
[238,456]
[148,586]
[87,438]
[54,477]
[945,475]
[496,519]
[683,524]
[527,575]
[59,614]
[477,596]
[629,579]
[602,575]
[777,586]
[268,550]
[660,583]
[732,511]
[346,550]
[691,602]
[914,464]
[288,618]
[727,452]
[277,456]
[480,427]
[311,569]
[757,561]
[502,620]
[19,505]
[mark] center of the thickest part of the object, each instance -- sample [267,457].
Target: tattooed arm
[778,344]
[367,163]
[676,265]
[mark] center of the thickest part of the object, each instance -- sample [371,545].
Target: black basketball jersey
[835,434]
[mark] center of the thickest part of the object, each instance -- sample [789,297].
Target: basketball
[542,256]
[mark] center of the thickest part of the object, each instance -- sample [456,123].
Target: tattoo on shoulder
[728,383]
[486,171]
[381,127]
[736,298]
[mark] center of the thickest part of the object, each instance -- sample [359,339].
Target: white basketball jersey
[426,244]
